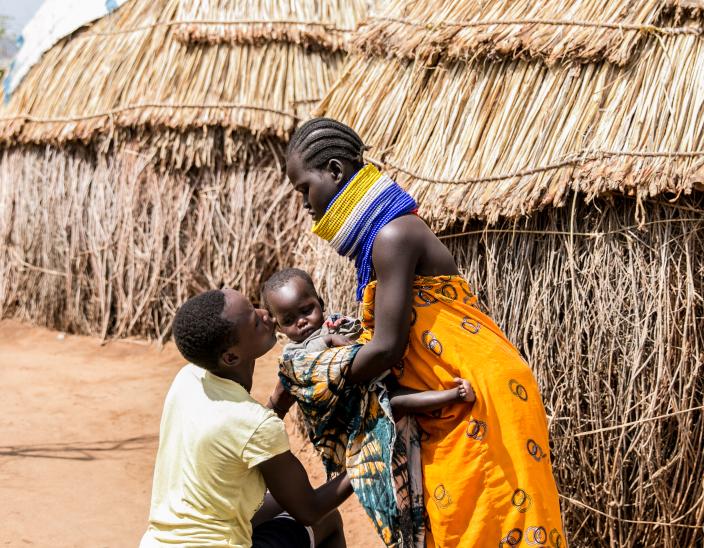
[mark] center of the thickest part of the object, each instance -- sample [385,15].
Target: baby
[294,304]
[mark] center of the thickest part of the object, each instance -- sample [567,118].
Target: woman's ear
[336,170]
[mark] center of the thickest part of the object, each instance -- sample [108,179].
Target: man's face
[296,308]
[255,328]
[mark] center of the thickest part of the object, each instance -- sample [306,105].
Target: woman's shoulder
[402,229]
[409,240]
[402,235]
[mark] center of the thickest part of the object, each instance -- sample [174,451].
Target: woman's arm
[288,483]
[395,255]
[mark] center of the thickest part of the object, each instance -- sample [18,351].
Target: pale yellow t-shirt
[206,483]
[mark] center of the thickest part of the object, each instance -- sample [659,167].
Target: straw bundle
[694,7]
[523,162]
[316,24]
[553,30]
[610,316]
[128,70]
[111,247]
[491,148]
[160,167]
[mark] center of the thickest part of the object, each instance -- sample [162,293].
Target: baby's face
[296,309]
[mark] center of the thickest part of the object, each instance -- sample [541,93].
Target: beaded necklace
[364,205]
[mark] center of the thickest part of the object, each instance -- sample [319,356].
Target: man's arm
[288,483]
[395,254]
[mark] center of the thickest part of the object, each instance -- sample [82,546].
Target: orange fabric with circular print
[486,471]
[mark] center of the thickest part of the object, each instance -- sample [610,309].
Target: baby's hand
[338,340]
[465,390]
[334,326]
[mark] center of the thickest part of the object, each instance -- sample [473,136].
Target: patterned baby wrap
[352,428]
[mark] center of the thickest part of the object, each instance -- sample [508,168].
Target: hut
[141,158]
[558,149]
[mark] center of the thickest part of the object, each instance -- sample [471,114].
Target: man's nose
[264,315]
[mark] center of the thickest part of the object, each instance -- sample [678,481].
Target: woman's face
[317,186]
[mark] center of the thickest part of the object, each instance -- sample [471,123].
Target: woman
[487,475]
[219,449]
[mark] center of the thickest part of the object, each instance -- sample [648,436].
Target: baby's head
[291,298]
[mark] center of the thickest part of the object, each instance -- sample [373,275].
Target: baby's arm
[336,340]
[280,400]
[405,401]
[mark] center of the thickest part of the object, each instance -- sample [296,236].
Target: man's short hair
[281,278]
[200,332]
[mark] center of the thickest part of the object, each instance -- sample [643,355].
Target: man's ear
[229,358]
[335,168]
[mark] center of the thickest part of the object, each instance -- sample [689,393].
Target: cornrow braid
[321,139]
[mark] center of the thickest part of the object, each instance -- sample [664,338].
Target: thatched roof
[490,138]
[136,69]
[328,24]
[553,30]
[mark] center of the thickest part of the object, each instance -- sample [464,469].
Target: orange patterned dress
[487,474]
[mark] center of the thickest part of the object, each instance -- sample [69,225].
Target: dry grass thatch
[161,168]
[481,123]
[318,24]
[553,30]
[506,138]
[128,70]
[106,245]
[611,319]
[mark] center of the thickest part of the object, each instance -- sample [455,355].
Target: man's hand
[288,483]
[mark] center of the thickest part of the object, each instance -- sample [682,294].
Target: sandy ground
[80,424]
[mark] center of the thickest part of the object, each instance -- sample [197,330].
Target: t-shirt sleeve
[267,441]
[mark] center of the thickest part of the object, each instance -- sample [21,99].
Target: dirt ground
[80,426]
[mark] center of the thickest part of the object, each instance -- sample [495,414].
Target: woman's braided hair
[320,140]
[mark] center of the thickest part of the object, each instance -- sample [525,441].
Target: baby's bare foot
[465,390]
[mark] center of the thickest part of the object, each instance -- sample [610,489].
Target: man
[219,449]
